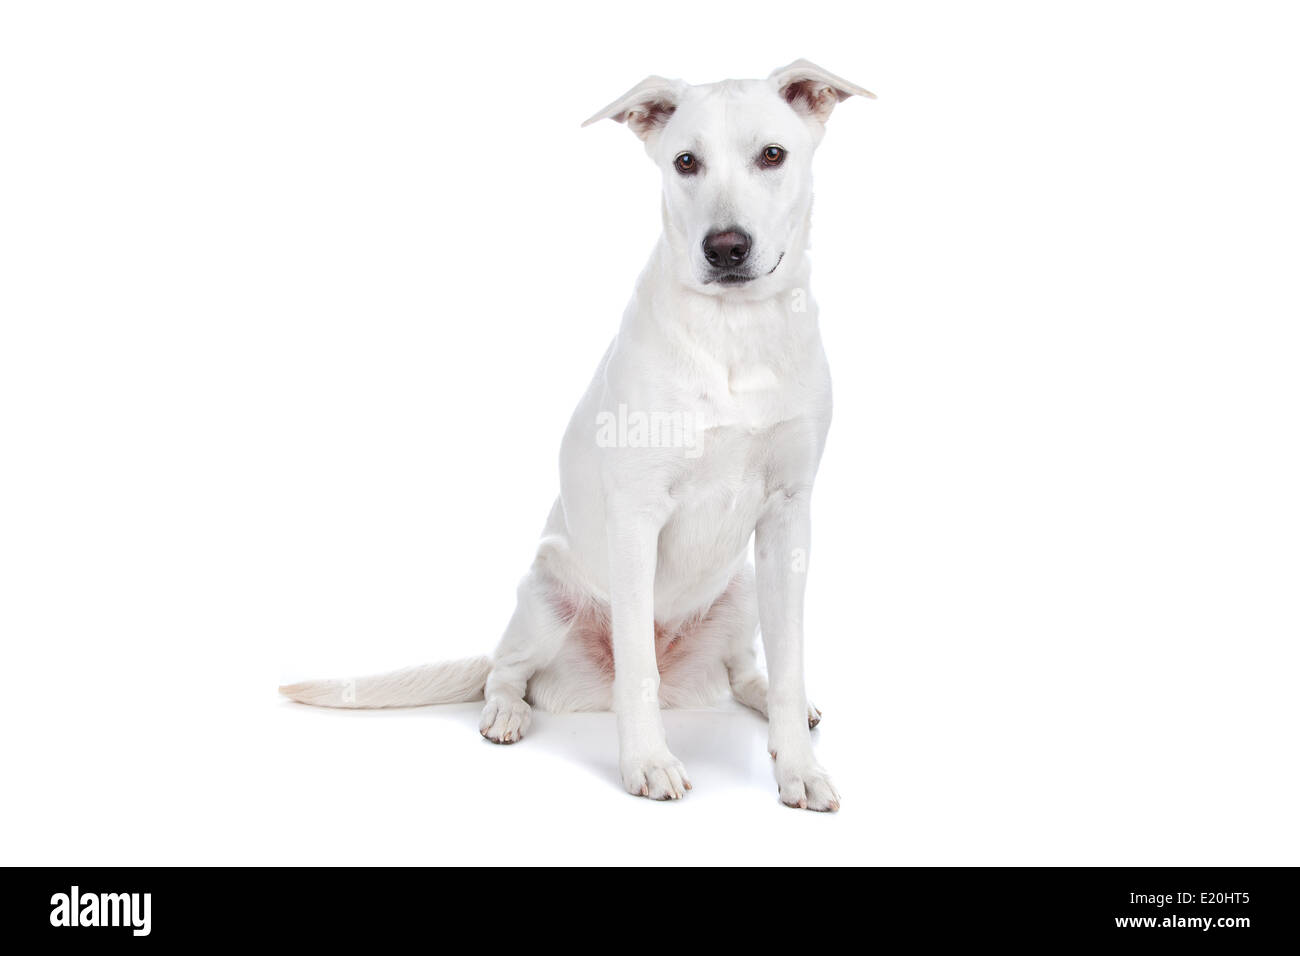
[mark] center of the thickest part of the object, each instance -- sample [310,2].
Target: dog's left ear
[646,107]
[812,91]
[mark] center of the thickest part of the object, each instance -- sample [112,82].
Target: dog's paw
[504,720]
[659,776]
[814,716]
[807,787]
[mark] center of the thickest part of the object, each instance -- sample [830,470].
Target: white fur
[645,536]
[444,683]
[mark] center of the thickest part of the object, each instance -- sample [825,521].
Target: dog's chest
[718,498]
[752,393]
[747,368]
[756,395]
[744,413]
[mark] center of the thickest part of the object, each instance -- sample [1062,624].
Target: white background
[295,300]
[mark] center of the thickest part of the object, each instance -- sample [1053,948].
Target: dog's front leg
[645,764]
[781,552]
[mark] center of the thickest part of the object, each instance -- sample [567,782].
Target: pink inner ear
[812,97]
[647,117]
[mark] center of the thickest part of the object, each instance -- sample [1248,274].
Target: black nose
[724,249]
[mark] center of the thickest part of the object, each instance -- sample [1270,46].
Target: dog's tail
[446,683]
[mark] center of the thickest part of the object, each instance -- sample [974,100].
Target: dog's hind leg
[748,682]
[531,639]
[749,685]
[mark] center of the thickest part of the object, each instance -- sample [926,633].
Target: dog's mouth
[738,278]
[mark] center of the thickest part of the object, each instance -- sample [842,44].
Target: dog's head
[736,158]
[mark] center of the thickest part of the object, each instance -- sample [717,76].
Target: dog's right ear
[646,107]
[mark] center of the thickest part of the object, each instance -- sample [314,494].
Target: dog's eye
[685,163]
[773,156]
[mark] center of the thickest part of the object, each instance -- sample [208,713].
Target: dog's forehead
[731,112]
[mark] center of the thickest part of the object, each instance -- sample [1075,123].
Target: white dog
[703,427]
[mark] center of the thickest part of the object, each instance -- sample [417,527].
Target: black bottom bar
[355,907]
